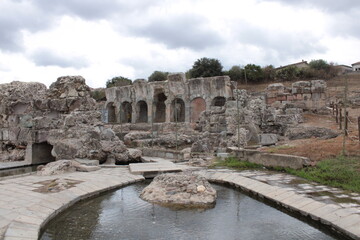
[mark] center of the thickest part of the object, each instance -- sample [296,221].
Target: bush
[158,76]
[118,82]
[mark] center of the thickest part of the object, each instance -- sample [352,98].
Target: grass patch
[342,171]
[237,164]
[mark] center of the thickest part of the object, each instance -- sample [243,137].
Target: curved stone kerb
[343,220]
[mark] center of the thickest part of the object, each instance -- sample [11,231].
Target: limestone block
[318,86]
[13,120]
[13,134]
[26,121]
[268,139]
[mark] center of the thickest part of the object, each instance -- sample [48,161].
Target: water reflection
[123,215]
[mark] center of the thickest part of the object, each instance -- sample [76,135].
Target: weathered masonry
[176,100]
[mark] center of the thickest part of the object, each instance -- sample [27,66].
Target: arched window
[110,108]
[197,105]
[218,102]
[126,112]
[142,112]
[159,107]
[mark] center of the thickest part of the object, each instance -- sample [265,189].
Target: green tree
[288,73]
[254,73]
[235,73]
[118,82]
[319,64]
[269,73]
[158,76]
[206,67]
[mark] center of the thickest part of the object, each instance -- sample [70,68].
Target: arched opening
[142,112]
[198,105]
[178,110]
[126,112]
[111,116]
[218,102]
[41,153]
[159,108]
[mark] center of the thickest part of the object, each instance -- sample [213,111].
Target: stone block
[268,139]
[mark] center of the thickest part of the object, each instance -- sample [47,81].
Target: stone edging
[26,227]
[341,220]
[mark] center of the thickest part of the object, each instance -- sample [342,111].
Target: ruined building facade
[174,100]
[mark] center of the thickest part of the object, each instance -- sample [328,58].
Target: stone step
[150,170]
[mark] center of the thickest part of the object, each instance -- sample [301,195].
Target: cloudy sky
[41,40]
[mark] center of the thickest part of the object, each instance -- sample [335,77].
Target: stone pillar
[187,111]
[151,114]
[134,113]
[168,111]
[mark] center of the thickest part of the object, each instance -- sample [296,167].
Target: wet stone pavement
[318,192]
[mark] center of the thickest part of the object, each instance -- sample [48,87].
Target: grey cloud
[327,5]
[45,58]
[37,15]
[279,44]
[188,31]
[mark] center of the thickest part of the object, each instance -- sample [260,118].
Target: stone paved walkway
[24,210]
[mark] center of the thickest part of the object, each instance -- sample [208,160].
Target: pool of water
[123,215]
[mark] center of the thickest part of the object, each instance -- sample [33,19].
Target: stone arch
[178,110]
[111,113]
[197,106]
[126,112]
[218,101]
[142,112]
[159,107]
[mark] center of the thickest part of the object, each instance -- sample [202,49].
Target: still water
[123,215]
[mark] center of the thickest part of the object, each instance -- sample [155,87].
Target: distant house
[342,69]
[356,66]
[302,64]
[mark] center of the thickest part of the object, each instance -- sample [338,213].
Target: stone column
[168,111]
[151,115]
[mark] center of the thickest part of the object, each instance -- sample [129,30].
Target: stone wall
[304,94]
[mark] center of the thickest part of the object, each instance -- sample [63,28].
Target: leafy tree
[206,67]
[254,73]
[158,76]
[319,64]
[98,94]
[288,73]
[269,73]
[235,73]
[118,82]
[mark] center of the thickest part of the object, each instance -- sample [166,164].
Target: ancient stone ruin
[190,117]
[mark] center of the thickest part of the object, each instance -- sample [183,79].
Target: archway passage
[41,153]
[178,110]
[126,112]
[142,112]
[198,105]
[218,102]
[110,108]
[160,108]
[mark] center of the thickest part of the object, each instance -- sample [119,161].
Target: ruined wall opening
[178,110]
[142,112]
[197,105]
[218,102]
[110,108]
[159,107]
[126,112]
[41,153]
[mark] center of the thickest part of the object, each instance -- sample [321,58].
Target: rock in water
[185,189]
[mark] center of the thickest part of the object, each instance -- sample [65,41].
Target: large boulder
[180,189]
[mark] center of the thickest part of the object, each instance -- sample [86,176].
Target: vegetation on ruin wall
[118,82]
[342,171]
